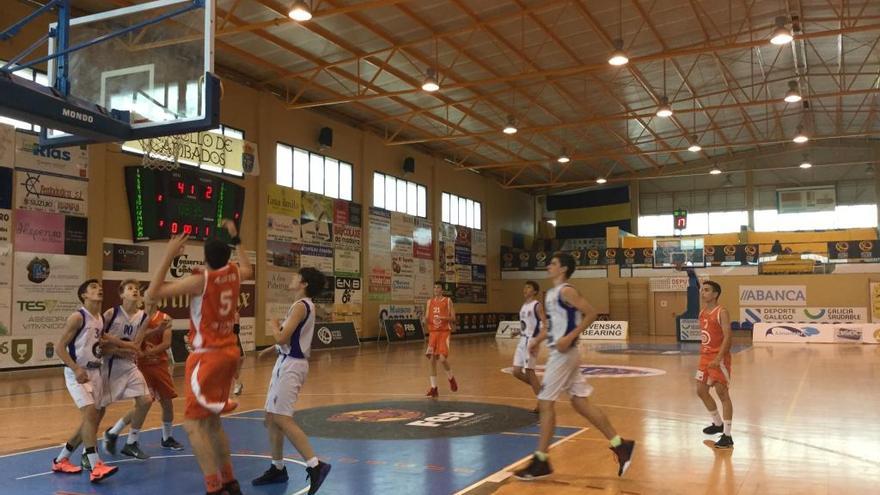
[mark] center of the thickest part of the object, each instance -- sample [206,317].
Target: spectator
[787,251]
[777,247]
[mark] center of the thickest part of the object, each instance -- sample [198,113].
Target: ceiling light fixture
[618,56]
[781,35]
[800,137]
[695,144]
[664,110]
[300,11]
[715,171]
[563,158]
[793,95]
[552,222]
[510,128]
[806,163]
[601,180]
[431,84]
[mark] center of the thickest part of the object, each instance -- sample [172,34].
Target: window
[843,217]
[223,130]
[391,193]
[32,75]
[312,172]
[461,211]
[716,222]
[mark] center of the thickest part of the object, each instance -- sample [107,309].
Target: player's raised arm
[245,269]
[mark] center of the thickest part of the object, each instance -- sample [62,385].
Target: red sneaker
[453,384]
[432,392]
[101,471]
[65,466]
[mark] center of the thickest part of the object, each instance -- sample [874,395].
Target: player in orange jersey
[210,368]
[439,319]
[714,370]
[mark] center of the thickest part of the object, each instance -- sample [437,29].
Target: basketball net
[161,153]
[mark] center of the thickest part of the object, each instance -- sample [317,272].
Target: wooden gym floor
[805,417]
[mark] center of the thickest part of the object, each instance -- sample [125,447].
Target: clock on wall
[163,203]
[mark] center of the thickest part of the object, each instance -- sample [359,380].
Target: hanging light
[695,144]
[552,222]
[800,137]
[431,84]
[300,11]
[806,163]
[563,158]
[510,128]
[793,95]
[715,171]
[618,56]
[664,110]
[601,180]
[781,35]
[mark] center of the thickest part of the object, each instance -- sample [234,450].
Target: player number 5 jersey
[212,314]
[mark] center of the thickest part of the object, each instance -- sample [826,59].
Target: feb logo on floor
[602,371]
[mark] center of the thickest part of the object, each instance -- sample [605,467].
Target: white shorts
[288,377]
[563,374]
[85,394]
[522,358]
[124,381]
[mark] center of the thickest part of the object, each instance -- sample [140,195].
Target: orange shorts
[710,376]
[438,343]
[158,379]
[209,376]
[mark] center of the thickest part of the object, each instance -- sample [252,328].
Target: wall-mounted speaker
[325,137]
[409,165]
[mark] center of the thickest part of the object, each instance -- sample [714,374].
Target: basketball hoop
[161,153]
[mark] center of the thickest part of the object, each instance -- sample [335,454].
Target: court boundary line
[511,465]
[31,451]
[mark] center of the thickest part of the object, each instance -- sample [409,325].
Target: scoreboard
[163,203]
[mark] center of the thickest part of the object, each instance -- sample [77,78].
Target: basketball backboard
[130,73]
[678,251]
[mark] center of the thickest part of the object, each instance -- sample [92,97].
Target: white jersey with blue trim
[124,326]
[528,317]
[85,347]
[300,345]
[564,318]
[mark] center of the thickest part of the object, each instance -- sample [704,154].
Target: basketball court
[704,174]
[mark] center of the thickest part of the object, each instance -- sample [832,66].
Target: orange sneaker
[453,385]
[432,392]
[231,405]
[101,471]
[65,466]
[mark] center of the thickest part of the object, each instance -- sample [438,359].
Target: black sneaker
[624,453]
[110,442]
[171,444]
[536,469]
[232,488]
[725,442]
[713,429]
[134,450]
[316,476]
[271,476]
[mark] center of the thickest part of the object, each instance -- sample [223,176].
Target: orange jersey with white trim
[711,333]
[212,313]
[154,338]
[437,309]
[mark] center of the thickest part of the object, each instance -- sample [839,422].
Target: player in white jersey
[569,313]
[293,340]
[532,318]
[80,349]
[123,325]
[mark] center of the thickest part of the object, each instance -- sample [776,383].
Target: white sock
[118,427]
[433,382]
[132,436]
[93,458]
[279,464]
[449,375]
[65,453]
[727,427]
[716,418]
[166,430]
[312,462]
